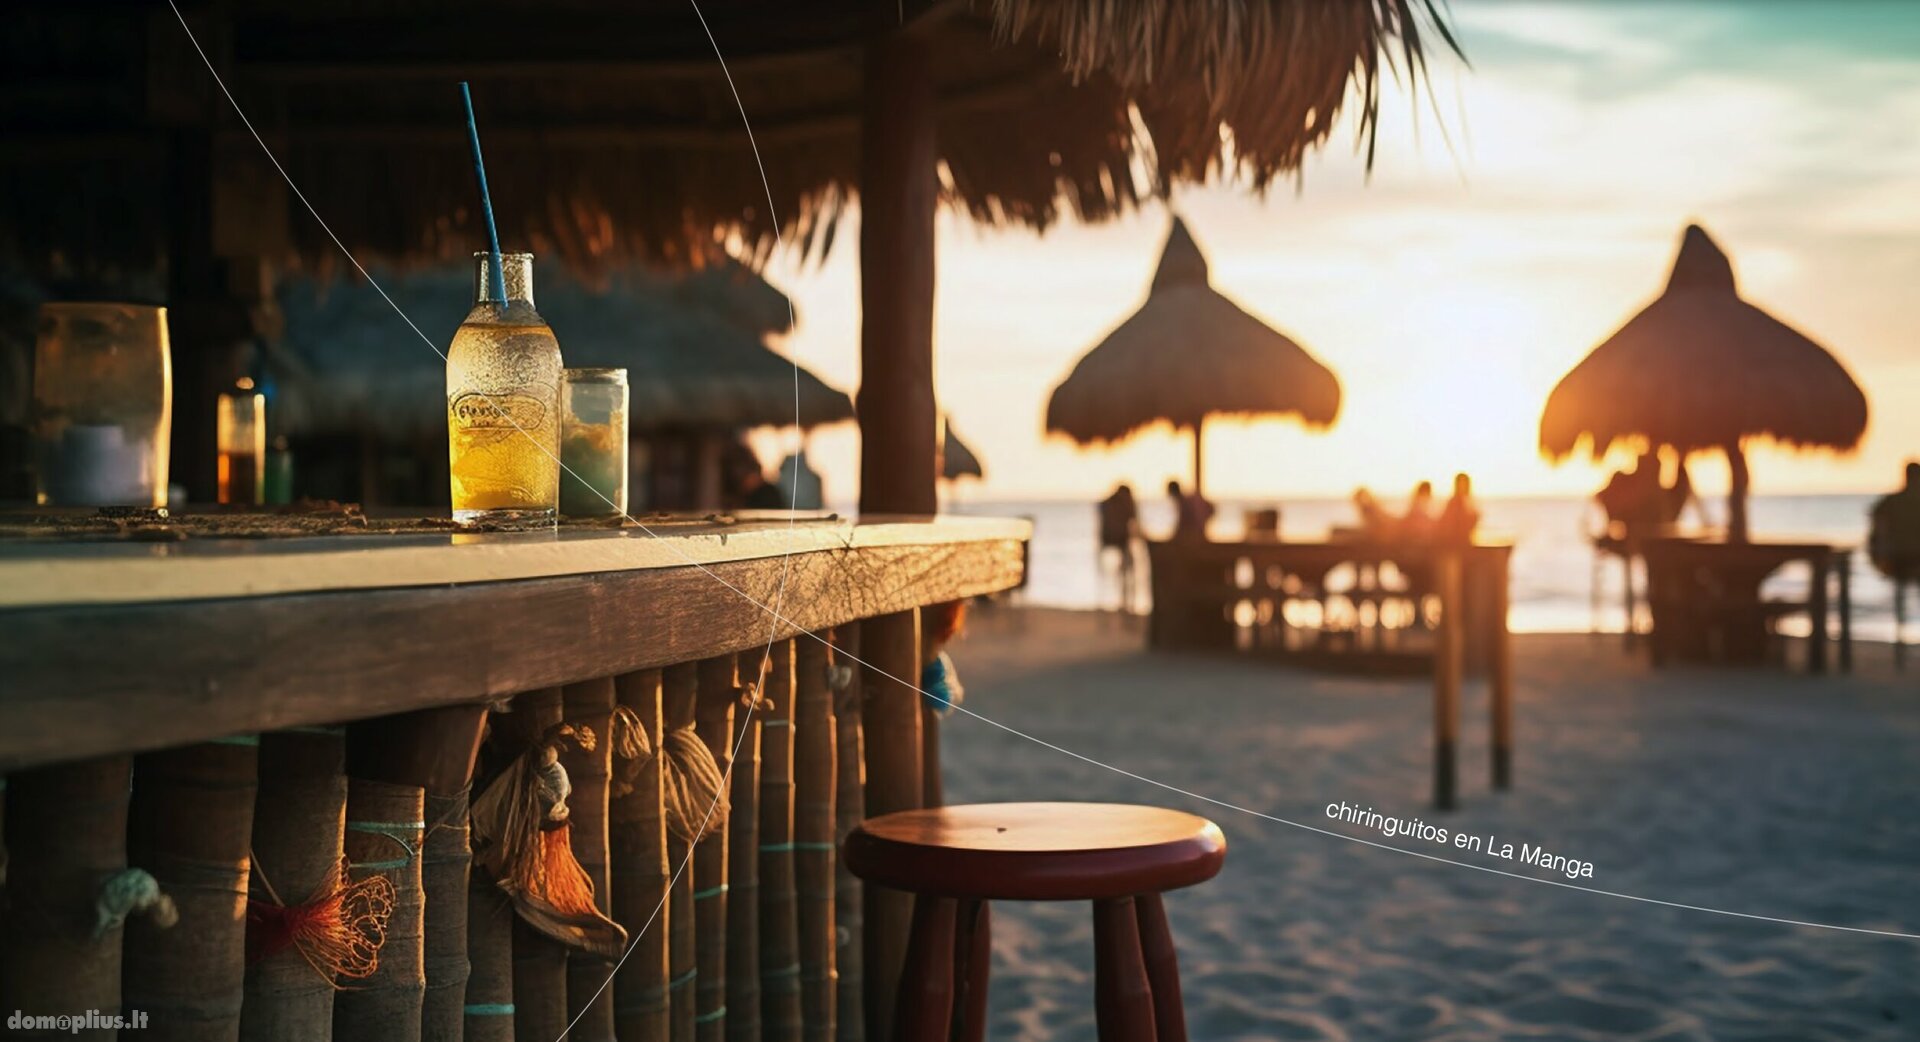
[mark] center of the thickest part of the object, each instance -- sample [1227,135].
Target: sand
[1759,791]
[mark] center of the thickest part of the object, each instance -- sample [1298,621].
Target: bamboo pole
[679,697]
[814,770]
[385,827]
[640,872]
[779,923]
[719,692]
[434,749]
[890,645]
[298,819]
[743,856]
[67,837]
[489,1012]
[539,962]
[850,808]
[191,826]
[589,705]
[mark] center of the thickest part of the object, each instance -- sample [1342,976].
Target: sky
[1519,210]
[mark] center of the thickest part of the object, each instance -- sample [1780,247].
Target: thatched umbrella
[1189,353]
[612,133]
[693,347]
[1701,369]
[957,460]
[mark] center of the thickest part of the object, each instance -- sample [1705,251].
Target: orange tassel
[339,933]
[562,881]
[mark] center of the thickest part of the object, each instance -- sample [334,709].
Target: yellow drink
[503,406]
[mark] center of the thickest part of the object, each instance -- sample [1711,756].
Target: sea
[1556,578]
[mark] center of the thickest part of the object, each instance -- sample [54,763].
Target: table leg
[1163,969]
[1817,610]
[1843,562]
[1500,679]
[1123,999]
[1446,681]
[923,1012]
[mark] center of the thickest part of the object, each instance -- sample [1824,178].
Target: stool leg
[974,950]
[923,1012]
[1163,969]
[1123,1000]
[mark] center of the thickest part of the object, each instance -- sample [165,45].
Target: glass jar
[503,402]
[103,405]
[593,444]
[241,438]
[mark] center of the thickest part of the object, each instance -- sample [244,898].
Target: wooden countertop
[125,646]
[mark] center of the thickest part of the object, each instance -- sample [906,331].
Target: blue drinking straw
[486,201]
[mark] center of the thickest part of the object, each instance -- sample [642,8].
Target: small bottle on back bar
[503,402]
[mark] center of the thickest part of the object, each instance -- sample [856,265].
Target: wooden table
[1456,595]
[1707,606]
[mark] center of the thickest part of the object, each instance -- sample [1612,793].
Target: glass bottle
[103,405]
[504,378]
[593,444]
[241,437]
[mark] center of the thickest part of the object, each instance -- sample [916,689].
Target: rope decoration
[131,891]
[339,931]
[691,787]
[523,839]
[631,749]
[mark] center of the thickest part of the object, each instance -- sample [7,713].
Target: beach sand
[1766,792]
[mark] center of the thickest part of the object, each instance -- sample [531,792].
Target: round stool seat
[1036,851]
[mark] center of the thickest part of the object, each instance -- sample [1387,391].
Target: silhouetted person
[1894,547]
[1460,516]
[1418,521]
[1375,524]
[1632,497]
[747,485]
[1191,513]
[1119,527]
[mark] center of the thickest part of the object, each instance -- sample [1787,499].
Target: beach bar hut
[1701,369]
[613,134]
[1187,354]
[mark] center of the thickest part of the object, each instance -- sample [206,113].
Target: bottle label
[476,411]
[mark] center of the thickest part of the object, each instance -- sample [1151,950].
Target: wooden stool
[956,859]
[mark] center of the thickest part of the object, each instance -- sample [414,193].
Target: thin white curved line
[778,618]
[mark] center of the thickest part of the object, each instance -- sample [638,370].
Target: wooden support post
[539,962]
[589,706]
[191,825]
[973,948]
[489,1002]
[1819,635]
[933,790]
[1500,670]
[434,750]
[899,189]
[850,808]
[641,872]
[679,698]
[743,853]
[1446,679]
[719,692]
[814,770]
[891,648]
[67,832]
[1843,565]
[298,819]
[779,918]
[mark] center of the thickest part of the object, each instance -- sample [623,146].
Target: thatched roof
[612,133]
[693,347]
[957,460]
[1187,354]
[1700,368]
